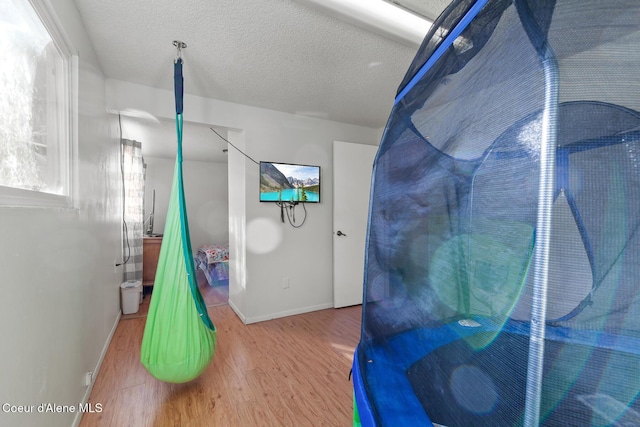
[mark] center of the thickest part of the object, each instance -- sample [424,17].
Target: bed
[213,260]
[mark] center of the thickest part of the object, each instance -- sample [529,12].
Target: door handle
[340,233]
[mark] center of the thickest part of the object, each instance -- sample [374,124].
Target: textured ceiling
[279,54]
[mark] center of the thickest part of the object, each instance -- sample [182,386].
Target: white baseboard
[237,311]
[293,312]
[286,313]
[94,375]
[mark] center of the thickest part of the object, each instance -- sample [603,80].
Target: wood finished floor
[292,371]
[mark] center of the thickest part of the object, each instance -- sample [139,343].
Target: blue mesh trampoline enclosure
[502,273]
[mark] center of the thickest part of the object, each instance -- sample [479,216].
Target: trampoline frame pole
[548,145]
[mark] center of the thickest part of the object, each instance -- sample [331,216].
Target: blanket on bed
[214,253]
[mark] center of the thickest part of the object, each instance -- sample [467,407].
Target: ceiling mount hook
[179,46]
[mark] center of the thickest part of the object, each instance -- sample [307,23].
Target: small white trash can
[131,292]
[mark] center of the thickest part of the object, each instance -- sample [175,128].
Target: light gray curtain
[133,169]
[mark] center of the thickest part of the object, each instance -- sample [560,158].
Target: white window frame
[65,125]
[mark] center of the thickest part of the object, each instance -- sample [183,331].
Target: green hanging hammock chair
[179,337]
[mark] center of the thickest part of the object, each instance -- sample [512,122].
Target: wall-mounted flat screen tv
[286,182]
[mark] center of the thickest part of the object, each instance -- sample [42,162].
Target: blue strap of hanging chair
[178,84]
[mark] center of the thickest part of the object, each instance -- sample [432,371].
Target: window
[35,107]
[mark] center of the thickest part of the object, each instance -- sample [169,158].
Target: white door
[352,167]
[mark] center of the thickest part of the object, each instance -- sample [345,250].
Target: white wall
[264,250]
[206,197]
[60,289]
[237,226]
